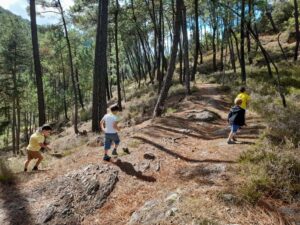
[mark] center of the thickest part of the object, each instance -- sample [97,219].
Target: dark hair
[46,127]
[242,89]
[114,108]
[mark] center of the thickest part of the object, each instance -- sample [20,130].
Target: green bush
[271,171]
[85,115]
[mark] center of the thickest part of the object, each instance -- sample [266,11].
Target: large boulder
[203,115]
[70,198]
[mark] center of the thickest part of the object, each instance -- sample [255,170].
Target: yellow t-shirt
[35,140]
[245,98]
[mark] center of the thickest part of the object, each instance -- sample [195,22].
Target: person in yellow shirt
[36,142]
[245,98]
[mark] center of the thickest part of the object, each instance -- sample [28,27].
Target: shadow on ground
[12,201]
[129,169]
[176,155]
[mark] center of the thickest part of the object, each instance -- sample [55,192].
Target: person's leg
[107,145]
[40,158]
[232,133]
[29,158]
[230,136]
[116,144]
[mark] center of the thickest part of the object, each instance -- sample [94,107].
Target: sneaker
[114,152]
[35,168]
[25,169]
[230,142]
[106,158]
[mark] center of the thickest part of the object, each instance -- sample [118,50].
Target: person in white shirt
[109,124]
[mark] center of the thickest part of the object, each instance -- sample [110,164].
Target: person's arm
[229,115]
[102,125]
[43,145]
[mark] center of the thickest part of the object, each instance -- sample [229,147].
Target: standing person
[109,124]
[245,98]
[236,119]
[36,142]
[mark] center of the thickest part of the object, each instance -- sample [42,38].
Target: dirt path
[174,153]
[193,157]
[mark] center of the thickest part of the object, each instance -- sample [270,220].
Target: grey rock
[48,214]
[228,197]
[204,115]
[145,165]
[157,166]
[80,193]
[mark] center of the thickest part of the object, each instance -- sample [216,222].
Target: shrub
[272,171]
[85,115]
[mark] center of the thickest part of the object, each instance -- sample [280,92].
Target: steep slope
[180,170]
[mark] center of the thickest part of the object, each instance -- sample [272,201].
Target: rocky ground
[180,170]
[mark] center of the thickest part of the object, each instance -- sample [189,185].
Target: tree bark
[242,31]
[185,49]
[64,87]
[100,68]
[168,79]
[197,41]
[37,64]
[72,70]
[117,57]
[296,15]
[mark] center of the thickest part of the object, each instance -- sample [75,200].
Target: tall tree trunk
[296,15]
[18,128]
[72,70]
[123,85]
[181,76]
[168,79]
[269,16]
[250,9]
[269,61]
[222,50]
[117,57]
[232,56]
[160,47]
[80,97]
[37,64]
[185,49]
[64,87]
[100,68]
[242,55]
[13,126]
[214,48]
[236,45]
[197,41]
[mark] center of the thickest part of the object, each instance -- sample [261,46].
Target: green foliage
[85,115]
[170,111]
[205,222]
[282,123]
[282,12]
[272,171]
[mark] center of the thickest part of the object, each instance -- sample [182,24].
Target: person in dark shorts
[36,142]
[109,124]
[236,119]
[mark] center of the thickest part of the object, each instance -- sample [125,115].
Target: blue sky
[18,7]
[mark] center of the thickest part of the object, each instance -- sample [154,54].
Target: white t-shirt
[109,120]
